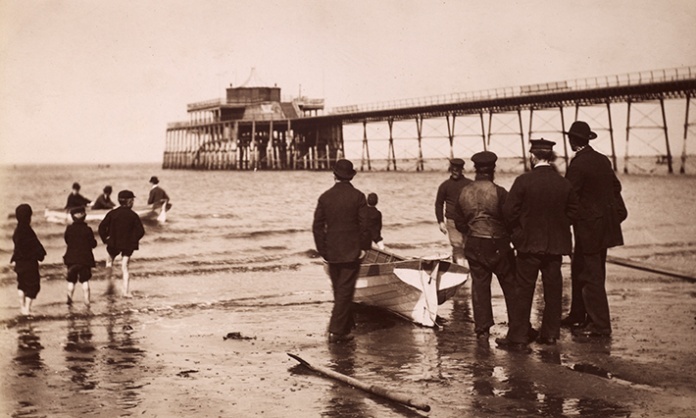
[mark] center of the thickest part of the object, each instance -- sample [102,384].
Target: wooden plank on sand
[647,267]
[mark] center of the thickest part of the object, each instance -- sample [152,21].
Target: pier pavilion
[253,128]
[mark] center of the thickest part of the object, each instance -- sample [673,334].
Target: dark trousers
[589,295]
[488,256]
[343,278]
[528,267]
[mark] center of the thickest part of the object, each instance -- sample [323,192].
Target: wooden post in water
[565,139]
[450,133]
[391,156]
[483,130]
[682,170]
[664,126]
[254,149]
[365,149]
[419,127]
[628,132]
[524,148]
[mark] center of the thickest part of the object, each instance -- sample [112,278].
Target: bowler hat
[541,145]
[581,130]
[154,180]
[125,194]
[457,162]
[484,159]
[344,170]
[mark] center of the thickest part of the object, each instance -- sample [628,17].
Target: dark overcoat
[602,209]
[121,229]
[539,210]
[374,223]
[80,239]
[340,224]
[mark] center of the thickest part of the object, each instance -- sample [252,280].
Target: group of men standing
[482,220]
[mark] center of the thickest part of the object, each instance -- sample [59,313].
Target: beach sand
[165,353]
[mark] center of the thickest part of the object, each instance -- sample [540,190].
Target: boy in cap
[341,237]
[78,256]
[121,231]
[539,210]
[374,220]
[27,253]
[488,251]
[597,227]
[445,202]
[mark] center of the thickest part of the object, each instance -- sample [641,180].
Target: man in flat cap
[479,217]
[121,231]
[539,210]
[597,227]
[341,237]
[445,201]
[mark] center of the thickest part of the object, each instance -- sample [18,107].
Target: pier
[254,128]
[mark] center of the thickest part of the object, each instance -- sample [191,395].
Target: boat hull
[62,216]
[410,288]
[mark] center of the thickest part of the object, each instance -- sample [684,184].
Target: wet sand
[163,353]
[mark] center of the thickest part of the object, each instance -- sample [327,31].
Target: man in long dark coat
[598,227]
[539,210]
[341,238]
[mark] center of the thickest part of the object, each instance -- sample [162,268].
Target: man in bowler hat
[341,237]
[539,210]
[445,202]
[597,227]
[480,219]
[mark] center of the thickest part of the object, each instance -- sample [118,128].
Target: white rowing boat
[411,288]
[62,216]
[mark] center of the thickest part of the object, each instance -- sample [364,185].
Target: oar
[374,389]
[162,217]
[646,267]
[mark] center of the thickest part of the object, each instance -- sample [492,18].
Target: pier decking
[254,128]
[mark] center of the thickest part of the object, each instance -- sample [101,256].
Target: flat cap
[541,145]
[125,194]
[484,159]
[457,162]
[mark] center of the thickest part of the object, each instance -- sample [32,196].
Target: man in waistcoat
[479,217]
[597,227]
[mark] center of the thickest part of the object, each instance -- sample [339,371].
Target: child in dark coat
[78,257]
[28,251]
[374,220]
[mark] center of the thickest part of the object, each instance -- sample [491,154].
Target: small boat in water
[62,216]
[411,288]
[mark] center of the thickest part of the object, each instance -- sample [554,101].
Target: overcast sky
[98,81]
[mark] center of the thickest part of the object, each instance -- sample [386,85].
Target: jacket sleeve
[139,230]
[104,226]
[572,205]
[319,229]
[512,206]
[622,211]
[151,197]
[363,224]
[92,241]
[440,203]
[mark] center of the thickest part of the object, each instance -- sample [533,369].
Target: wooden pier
[253,128]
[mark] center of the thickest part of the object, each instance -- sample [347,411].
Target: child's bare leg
[126,276]
[85,292]
[71,290]
[27,305]
[22,302]
[110,275]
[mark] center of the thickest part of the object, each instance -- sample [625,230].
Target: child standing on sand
[28,251]
[78,256]
[374,220]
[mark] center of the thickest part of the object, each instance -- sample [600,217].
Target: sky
[97,81]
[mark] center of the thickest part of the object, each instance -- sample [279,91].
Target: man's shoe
[591,332]
[546,340]
[482,335]
[532,334]
[506,344]
[571,322]
[339,338]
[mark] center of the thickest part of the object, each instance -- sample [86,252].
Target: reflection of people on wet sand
[79,353]
[121,231]
[78,256]
[75,199]
[28,351]
[340,235]
[28,251]
[104,200]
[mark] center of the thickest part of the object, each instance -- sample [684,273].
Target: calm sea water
[219,220]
